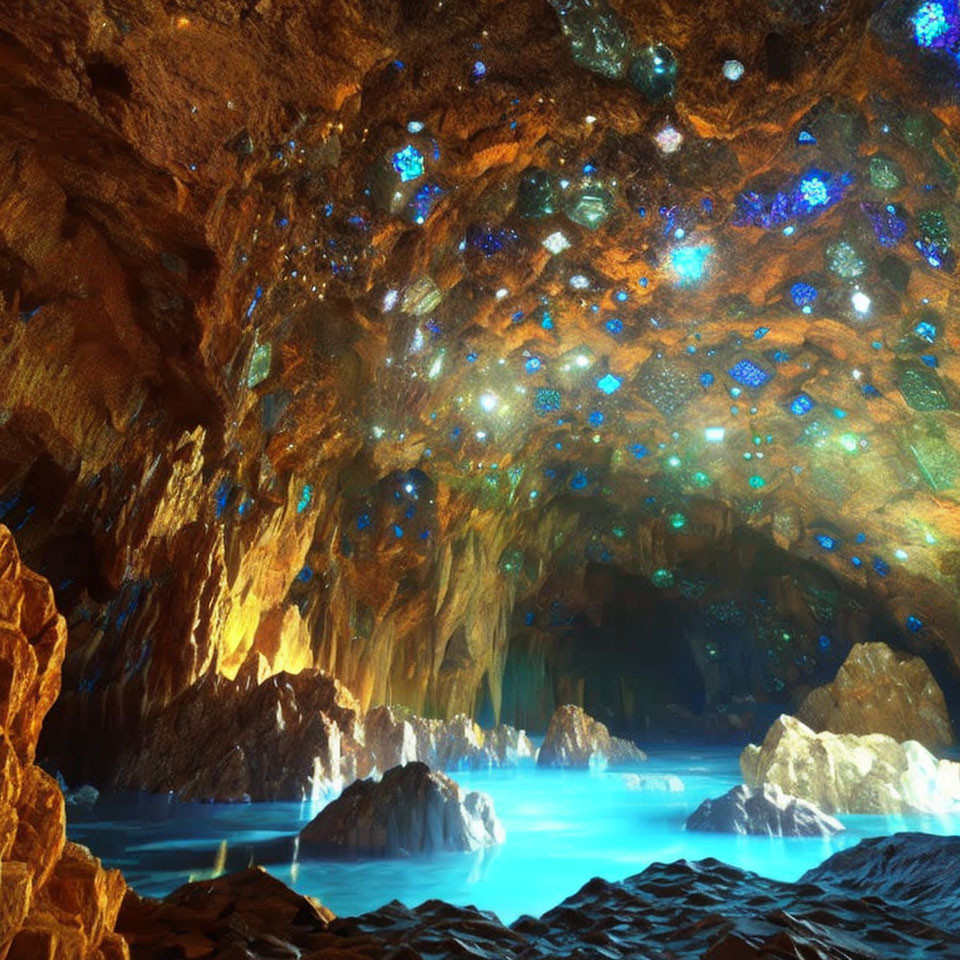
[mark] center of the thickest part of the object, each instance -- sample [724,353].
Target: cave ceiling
[360,335]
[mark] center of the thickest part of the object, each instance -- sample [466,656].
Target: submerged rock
[851,774]
[764,810]
[575,739]
[411,810]
[653,782]
[880,691]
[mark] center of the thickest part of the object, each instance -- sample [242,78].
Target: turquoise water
[563,827]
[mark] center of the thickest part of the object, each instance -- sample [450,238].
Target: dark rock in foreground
[575,739]
[411,810]
[685,911]
[765,810]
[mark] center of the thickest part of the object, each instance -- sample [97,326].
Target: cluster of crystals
[596,344]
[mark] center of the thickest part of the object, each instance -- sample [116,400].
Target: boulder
[392,738]
[575,739]
[412,810]
[878,690]
[764,810]
[844,773]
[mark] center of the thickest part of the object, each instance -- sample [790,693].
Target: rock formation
[55,898]
[845,773]
[575,739]
[314,350]
[292,737]
[878,691]
[764,810]
[412,810]
[684,910]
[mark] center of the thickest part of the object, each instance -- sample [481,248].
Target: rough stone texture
[411,810]
[575,739]
[765,810]
[187,182]
[391,738]
[850,774]
[879,691]
[293,737]
[55,898]
[688,911]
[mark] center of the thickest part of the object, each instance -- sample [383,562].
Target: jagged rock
[877,690]
[654,782]
[575,739]
[411,810]
[285,740]
[844,773]
[683,909]
[392,738]
[764,810]
[55,898]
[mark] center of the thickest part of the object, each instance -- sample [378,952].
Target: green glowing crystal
[921,387]
[536,198]
[678,521]
[597,38]
[653,72]
[886,173]
[844,260]
[662,578]
[589,206]
[259,364]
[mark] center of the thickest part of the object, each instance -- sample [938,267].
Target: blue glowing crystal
[926,331]
[533,365]
[802,403]
[409,163]
[749,373]
[609,383]
[825,541]
[914,624]
[614,325]
[931,25]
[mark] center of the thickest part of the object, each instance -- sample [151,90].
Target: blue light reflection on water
[563,828]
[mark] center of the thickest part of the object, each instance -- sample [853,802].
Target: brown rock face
[412,810]
[880,691]
[574,739]
[55,899]
[253,407]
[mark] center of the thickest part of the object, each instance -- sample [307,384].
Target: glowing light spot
[814,191]
[409,163]
[556,242]
[930,24]
[609,383]
[733,70]
[861,302]
[669,139]
[714,434]
[489,402]
[688,262]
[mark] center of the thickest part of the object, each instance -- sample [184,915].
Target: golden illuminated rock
[877,691]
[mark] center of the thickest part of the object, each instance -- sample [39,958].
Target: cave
[479,479]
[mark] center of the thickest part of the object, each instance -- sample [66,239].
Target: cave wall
[267,402]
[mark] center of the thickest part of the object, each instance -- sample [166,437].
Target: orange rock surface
[56,900]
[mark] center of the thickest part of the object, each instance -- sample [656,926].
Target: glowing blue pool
[562,829]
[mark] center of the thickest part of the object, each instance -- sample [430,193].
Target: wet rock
[880,691]
[412,810]
[764,810]
[852,774]
[392,737]
[575,739]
